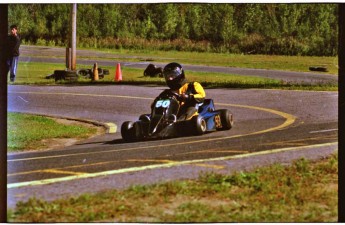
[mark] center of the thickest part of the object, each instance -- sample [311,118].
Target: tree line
[281,29]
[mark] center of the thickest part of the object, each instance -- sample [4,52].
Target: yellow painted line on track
[63,172]
[164,165]
[299,141]
[171,161]
[64,168]
[150,160]
[57,171]
[208,151]
[290,119]
[209,166]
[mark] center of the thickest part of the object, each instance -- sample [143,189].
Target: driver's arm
[200,94]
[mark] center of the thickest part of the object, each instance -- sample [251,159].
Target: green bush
[279,29]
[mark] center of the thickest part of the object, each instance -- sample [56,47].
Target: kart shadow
[177,138]
[121,141]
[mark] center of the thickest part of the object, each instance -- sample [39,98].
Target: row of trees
[289,29]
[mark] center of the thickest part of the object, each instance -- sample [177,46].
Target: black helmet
[174,75]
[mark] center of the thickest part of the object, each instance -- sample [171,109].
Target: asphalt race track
[270,126]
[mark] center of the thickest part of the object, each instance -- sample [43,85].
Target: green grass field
[302,192]
[37,129]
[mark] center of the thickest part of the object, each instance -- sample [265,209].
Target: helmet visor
[172,74]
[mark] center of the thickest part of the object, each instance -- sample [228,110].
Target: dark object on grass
[318,68]
[65,75]
[153,71]
[74,75]
[88,73]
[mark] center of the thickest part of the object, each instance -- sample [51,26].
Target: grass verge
[35,73]
[37,129]
[302,192]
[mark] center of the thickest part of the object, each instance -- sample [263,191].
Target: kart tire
[106,72]
[199,125]
[100,71]
[131,131]
[145,118]
[226,119]
[127,131]
[84,72]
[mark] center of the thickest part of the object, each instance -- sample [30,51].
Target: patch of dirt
[54,143]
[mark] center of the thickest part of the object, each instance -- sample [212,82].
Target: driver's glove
[184,97]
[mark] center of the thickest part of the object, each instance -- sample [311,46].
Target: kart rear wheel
[200,125]
[227,119]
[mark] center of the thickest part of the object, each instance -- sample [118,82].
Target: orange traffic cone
[118,74]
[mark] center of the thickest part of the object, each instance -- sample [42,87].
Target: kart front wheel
[132,131]
[127,131]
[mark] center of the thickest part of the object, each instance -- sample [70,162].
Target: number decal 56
[162,103]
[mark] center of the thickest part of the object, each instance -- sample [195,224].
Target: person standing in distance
[13,43]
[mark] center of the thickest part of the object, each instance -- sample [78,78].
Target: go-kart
[163,121]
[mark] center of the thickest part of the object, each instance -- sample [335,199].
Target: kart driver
[190,94]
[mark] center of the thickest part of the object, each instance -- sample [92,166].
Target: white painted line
[158,166]
[322,131]
[22,99]
[136,63]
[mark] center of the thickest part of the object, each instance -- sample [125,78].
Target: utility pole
[73,39]
[3,112]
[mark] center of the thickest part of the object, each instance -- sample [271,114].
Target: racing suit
[192,94]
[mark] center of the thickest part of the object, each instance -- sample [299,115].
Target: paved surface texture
[265,120]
